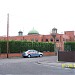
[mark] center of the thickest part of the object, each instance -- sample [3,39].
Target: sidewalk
[54,62]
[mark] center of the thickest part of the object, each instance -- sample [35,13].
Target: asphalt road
[33,66]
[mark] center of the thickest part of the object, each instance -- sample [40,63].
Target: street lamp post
[7,34]
[54,32]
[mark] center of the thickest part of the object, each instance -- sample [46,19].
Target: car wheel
[29,56]
[40,55]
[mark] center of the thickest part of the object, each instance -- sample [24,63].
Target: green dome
[33,31]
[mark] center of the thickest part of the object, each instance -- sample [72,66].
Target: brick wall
[20,55]
[11,55]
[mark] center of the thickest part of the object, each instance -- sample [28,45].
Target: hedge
[69,46]
[20,46]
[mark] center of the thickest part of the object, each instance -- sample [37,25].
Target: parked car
[32,53]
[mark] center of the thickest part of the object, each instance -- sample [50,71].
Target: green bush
[69,46]
[3,46]
[20,46]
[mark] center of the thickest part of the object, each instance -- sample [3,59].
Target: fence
[68,56]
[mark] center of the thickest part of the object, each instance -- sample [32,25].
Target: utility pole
[7,34]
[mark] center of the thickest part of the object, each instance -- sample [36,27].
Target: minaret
[20,33]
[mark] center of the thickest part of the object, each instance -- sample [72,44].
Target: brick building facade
[33,35]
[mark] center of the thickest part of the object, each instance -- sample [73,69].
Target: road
[33,66]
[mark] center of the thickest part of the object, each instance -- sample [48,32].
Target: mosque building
[34,35]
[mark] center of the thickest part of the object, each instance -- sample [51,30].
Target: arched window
[42,40]
[36,40]
[32,40]
[51,39]
[57,39]
[46,40]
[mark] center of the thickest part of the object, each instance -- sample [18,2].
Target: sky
[42,15]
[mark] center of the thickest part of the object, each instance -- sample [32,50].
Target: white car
[32,53]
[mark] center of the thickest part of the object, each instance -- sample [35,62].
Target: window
[36,40]
[57,40]
[32,39]
[46,40]
[63,39]
[42,40]
[51,40]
